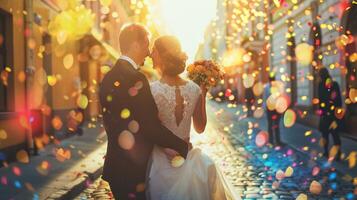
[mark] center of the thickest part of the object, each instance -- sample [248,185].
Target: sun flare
[186,19]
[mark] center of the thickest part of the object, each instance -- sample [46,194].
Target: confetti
[353,95]
[126,140]
[43,168]
[116,83]
[340,113]
[52,80]
[22,156]
[262,138]
[289,118]
[248,80]
[315,187]
[280,175]
[302,197]
[140,187]
[21,76]
[68,61]
[139,85]
[258,89]
[4,180]
[82,101]
[133,92]
[16,170]
[31,43]
[104,69]
[3,134]
[333,151]
[304,53]
[258,113]
[281,104]
[352,159]
[289,172]
[308,133]
[177,161]
[63,154]
[133,126]
[125,113]
[57,123]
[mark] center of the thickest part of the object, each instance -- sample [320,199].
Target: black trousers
[273,127]
[127,193]
[325,123]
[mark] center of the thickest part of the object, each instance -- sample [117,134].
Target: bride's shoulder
[153,83]
[155,86]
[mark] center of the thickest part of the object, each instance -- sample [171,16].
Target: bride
[179,102]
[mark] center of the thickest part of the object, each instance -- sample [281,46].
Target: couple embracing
[148,125]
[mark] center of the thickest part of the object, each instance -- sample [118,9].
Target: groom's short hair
[131,33]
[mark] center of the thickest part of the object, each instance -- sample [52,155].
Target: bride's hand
[170,153]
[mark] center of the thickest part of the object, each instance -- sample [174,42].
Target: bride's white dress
[198,178]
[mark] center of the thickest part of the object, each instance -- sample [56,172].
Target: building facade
[321,24]
[47,78]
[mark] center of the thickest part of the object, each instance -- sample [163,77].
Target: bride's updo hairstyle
[171,55]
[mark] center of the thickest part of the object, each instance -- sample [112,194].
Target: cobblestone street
[270,85]
[256,172]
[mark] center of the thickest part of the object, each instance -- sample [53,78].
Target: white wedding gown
[197,178]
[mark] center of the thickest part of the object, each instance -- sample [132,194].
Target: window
[6,79]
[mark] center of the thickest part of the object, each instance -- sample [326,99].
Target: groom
[131,118]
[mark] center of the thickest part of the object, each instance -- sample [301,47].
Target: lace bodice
[165,98]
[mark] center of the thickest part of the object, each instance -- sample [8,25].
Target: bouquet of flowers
[205,72]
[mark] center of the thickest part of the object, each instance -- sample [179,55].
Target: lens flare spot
[104,69]
[22,156]
[280,175]
[258,89]
[82,101]
[62,154]
[301,197]
[52,80]
[57,123]
[289,172]
[281,104]
[3,134]
[289,118]
[68,61]
[126,140]
[315,187]
[258,113]
[304,53]
[125,113]
[177,161]
[133,126]
[16,170]
[262,138]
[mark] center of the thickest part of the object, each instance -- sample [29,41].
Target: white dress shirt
[131,61]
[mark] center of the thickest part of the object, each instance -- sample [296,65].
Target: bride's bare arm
[199,115]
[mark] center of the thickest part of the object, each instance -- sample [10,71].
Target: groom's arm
[151,124]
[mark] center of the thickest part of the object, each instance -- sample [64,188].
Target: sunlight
[186,19]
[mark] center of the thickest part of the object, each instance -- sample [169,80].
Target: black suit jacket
[128,167]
